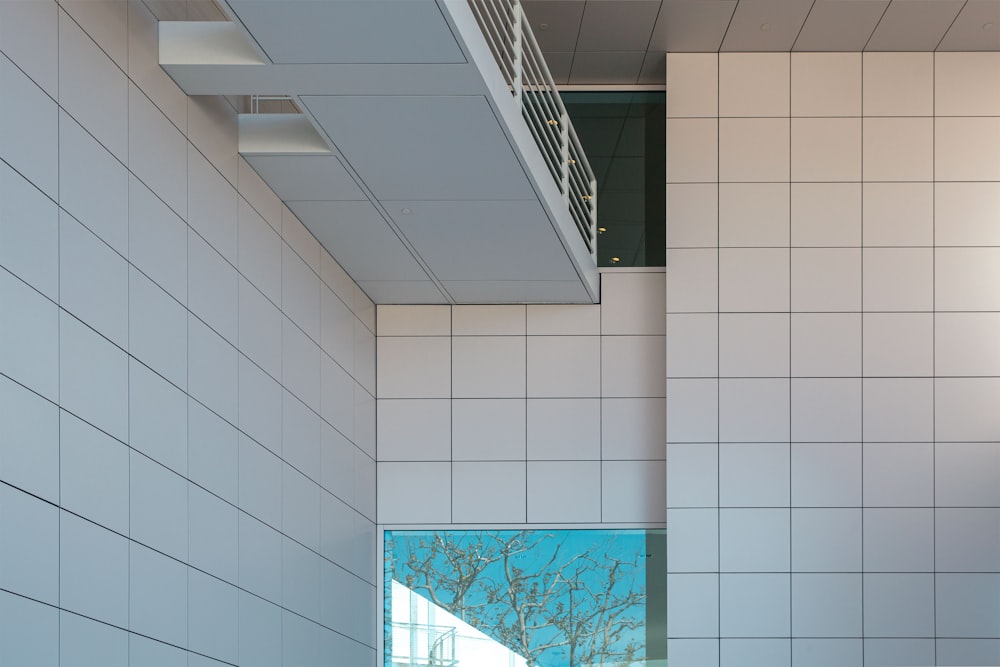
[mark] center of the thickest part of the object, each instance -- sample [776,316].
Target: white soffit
[765,25]
[427,148]
[561,19]
[402,291]
[914,25]
[977,28]
[303,177]
[692,25]
[624,25]
[359,238]
[350,31]
[483,240]
[836,25]
[405,109]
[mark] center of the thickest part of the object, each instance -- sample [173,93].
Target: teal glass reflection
[525,598]
[623,134]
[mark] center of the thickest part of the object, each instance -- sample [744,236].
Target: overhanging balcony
[432,156]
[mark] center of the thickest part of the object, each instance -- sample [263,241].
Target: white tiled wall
[524,414]
[186,378]
[832,359]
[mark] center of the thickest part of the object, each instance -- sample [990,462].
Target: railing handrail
[523,67]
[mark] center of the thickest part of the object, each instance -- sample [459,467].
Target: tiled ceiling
[623,42]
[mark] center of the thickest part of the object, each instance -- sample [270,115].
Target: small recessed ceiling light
[764,27]
[987,26]
[601,230]
[615,260]
[543,26]
[405,211]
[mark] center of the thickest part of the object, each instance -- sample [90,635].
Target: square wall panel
[692,79]
[414,367]
[564,366]
[489,492]
[692,410]
[826,149]
[968,605]
[898,149]
[899,605]
[898,84]
[754,475]
[963,278]
[414,492]
[894,652]
[633,428]
[752,410]
[692,280]
[693,605]
[753,345]
[965,149]
[898,344]
[753,150]
[964,214]
[753,84]
[753,214]
[692,150]
[755,652]
[563,319]
[494,320]
[626,300]
[488,429]
[754,540]
[898,474]
[958,85]
[899,214]
[752,280]
[694,541]
[633,366]
[826,344]
[965,474]
[692,475]
[755,605]
[692,215]
[826,214]
[692,345]
[826,474]
[633,491]
[826,279]
[826,84]
[826,605]
[964,344]
[899,539]
[967,539]
[826,409]
[963,409]
[828,652]
[414,429]
[488,366]
[564,429]
[564,491]
[826,539]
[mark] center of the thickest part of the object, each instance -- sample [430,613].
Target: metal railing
[517,53]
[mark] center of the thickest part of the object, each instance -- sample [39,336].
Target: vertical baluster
[564,145]
[518,45]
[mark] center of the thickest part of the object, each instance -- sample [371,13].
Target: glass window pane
[525,598]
